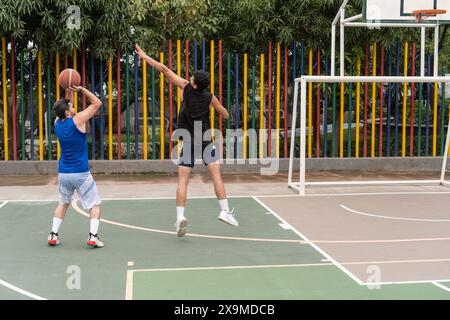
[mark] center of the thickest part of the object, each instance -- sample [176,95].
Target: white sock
[94,226]
[56,224]
[224,205]
[180,213]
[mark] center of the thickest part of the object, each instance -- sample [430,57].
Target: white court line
[347,272]
[326,263]
[395,261]
[129,285]
[24,292]
[389,217]
[379,241]
[236,267]
[29,200]
[358,194]
[252,195]
[403,282]
[12,287]
[79,210]
[130,273]
[437,284]
[246,239]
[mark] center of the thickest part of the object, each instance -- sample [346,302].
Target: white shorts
[84,184]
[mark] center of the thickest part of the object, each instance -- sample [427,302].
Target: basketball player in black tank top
[196,109]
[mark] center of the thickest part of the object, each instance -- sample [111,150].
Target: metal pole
[444,162]
[422,52]
[293,128]
[302,136]
[436,50]
[333,49]
[389,25]
[354,18]
[354,79]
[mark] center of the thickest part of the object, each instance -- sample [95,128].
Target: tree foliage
[243,25]
[104,24]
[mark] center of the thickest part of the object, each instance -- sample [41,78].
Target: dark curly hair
[201,79]
[60,107]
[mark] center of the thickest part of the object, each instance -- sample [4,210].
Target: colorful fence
[350,120]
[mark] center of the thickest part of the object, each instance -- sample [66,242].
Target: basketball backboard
[401,10]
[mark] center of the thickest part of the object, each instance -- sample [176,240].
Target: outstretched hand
[139,51]
[74,88]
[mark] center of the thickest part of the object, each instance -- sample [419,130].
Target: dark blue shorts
[189,154]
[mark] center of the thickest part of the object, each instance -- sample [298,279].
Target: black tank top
[195,107]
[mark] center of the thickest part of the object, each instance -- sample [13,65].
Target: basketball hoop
[424,14]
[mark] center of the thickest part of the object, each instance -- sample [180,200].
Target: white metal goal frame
[360,20]
[303,81]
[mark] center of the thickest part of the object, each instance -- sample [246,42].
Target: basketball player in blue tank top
[73,169]
[197,105]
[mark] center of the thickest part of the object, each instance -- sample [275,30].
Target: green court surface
[143,258]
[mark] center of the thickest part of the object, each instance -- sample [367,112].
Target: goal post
[300,88]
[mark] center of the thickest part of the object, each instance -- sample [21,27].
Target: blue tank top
[73,142]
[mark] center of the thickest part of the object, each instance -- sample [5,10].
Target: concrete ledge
[266,166]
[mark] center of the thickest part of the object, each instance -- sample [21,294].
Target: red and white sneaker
[94,241]
[53,239]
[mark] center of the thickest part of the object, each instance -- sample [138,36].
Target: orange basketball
[69,77]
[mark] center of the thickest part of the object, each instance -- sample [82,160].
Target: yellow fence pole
[261,109]
[179,74]
[212,86]
[40,115]
[245,106]
[161,106]
[358,105]
[75,94]
[144,108]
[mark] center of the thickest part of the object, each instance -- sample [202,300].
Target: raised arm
[69,94]
[95,104]
[219,108]
[178,81]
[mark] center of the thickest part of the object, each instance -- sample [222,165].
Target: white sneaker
[181,225]
[53,239]
[228,217]
[94,241]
